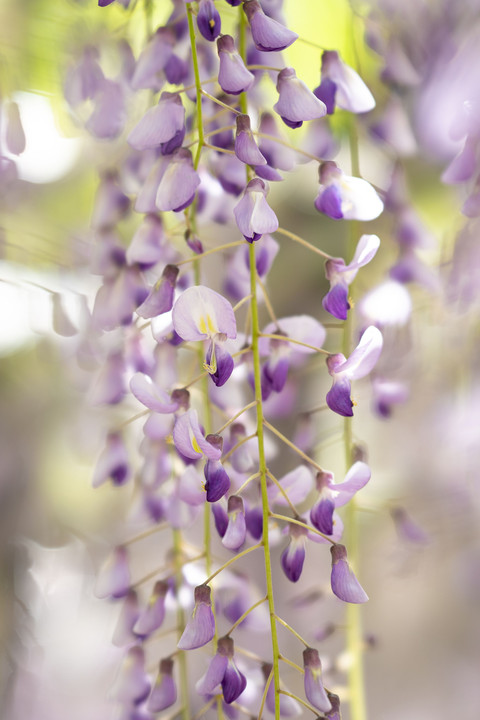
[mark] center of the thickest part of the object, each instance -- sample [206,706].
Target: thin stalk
[303,242]
[247,482]
[238,444]
[237,415]
[264,696]
[198,84]
[283,492]
[295,521]
[219,102]
[227,246]
[245,614]
[273,336]
[292,664]
[263,474]
[294,632]
[232,560]
[302,702]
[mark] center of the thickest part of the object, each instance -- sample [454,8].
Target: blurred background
[420,513]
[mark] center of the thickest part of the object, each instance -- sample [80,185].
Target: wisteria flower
[342,196]
[253,214]
[341,276]
[296,103]
[223,671]
[362,360]
[200,629]
[342,86]
[293,556]
[268,34]
[314,690]
[164,692]
[189,439]
[233,76]
[208,20]
[161,124]
[333,495]
[344,583]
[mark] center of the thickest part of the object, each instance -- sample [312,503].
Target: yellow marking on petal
[211,23]
[202,326]
[211,327]
[195,445]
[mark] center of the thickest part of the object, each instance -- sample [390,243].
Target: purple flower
[333,495]
[219,364]
[83,80]
[268,34]
[217,482]
[236,530]
[342,196]
[160,124]
[189,439]
[152,617]
[164,692]
[109,115]
[293,556]
[208,20]
[113,463]
[132,685]
[253,215]
[246,148]
[314,690]
[222,670]
[200,629]
[342,86]
[124,633]
[341,276]
[360,363]
[344,583]
[233,76]
[296,102]
[160,298]
[178,183]
[201,313]
[153,60]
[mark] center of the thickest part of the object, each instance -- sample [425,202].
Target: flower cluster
[213,370]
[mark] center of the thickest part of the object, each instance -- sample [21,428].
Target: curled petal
[217,481]
[355,479]
[293,558]
[150,395]
[233,683]
[253,215]
[364,358]
[338,397]
[351,92]
[268,34]
[336,301]
[214,675]
[189,439]
[132,685]
[153,615]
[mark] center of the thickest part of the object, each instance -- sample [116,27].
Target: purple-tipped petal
[344,583]
[220,518]
[329,202]
[160,124]
[208,20]
[214,675]
[336,301]
[293,556]
[236,529]
[200,629]
[338,397]
[254,521]
[160,298]
[314,690]
[233,76]
[233,683]
[113,463]
[321,515]
[153,60]
[217,482]
[296,103]
[268,34]
[224,364]
[189,439]
[164,692]
[201,313]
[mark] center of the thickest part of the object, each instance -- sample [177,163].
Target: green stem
[198,85]
[182,658]
[263,474]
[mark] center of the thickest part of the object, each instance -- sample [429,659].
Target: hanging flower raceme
[342,86]
[362,360]
[162,126]
[200,314]
[342,196]
[268,34]
[314,690]
[253,214]
[223,671]
[200,629]
[341,276]
[233,76]
[344,583]
[333,495]
[296,103]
